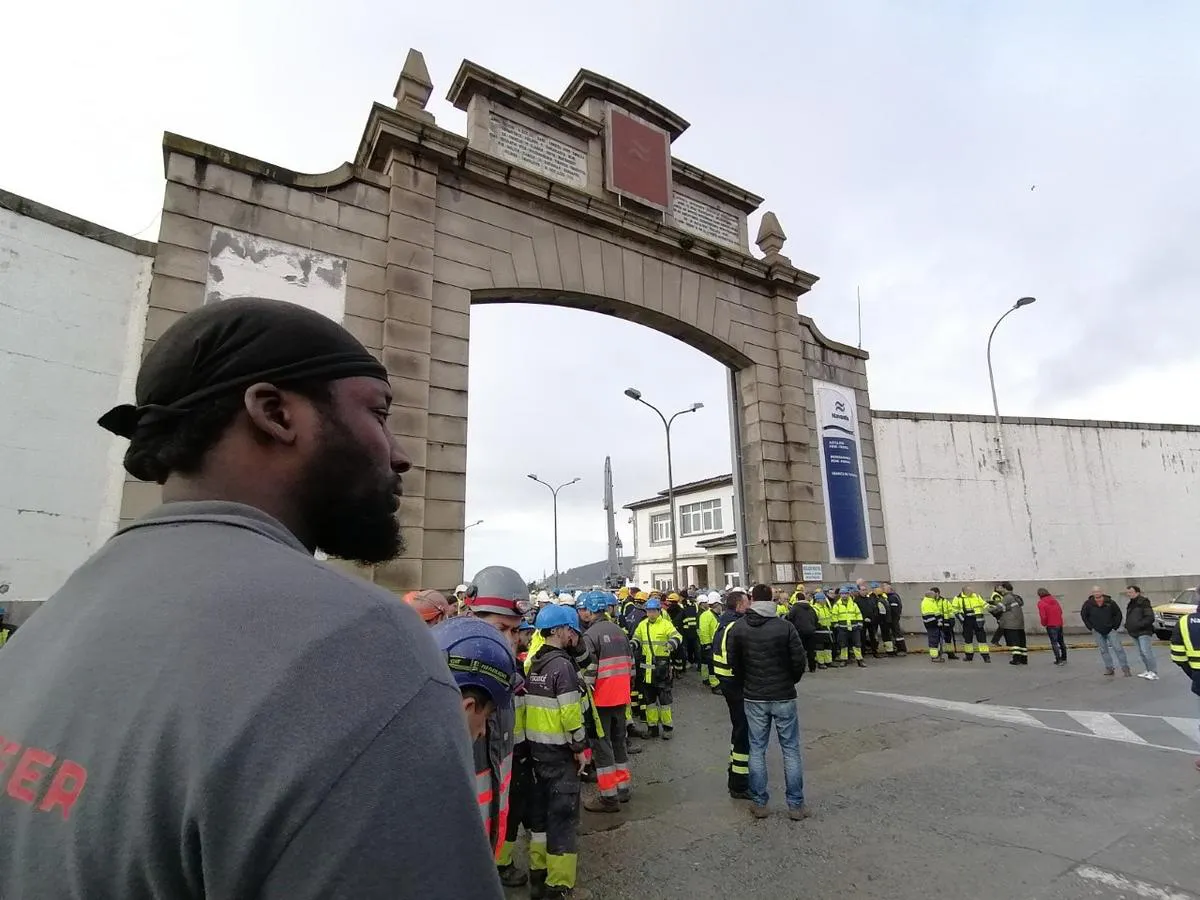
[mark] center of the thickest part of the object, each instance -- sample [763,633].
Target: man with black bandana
[311,746]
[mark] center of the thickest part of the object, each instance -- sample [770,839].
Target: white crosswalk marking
[1190,727]
[1099,725]
[1128,886]
[1105,726]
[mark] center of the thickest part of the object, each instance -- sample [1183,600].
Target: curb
[1091,645]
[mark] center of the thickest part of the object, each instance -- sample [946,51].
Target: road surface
[951,780]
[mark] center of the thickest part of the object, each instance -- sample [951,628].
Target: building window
[700,518]
[660,528]
[662,581]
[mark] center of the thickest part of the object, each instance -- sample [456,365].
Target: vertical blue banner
[841,471]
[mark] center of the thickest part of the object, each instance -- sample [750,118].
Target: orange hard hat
[429,604]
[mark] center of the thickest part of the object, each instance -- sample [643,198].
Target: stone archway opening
[548,377]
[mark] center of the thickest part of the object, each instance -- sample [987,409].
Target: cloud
[897,143]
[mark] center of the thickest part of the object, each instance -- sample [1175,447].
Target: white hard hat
[714,597]
[543,597]
[461,589]
[566,598]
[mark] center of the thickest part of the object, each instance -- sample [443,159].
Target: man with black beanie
[204,710]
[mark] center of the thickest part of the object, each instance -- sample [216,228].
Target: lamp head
[633,393]
[534,477]
[696,406]
[1025,301]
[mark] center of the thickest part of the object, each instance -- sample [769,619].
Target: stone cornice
[472,79]
[176,143]
[387,129]
[830,344]
[712,186]
[587,83]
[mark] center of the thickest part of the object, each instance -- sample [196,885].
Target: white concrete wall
[651,558]
[72,318]
[1093,501]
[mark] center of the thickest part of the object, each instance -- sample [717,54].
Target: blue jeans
[1111,641]
[759,715]
[1145,645]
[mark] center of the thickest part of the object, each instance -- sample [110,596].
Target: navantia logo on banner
[842,483]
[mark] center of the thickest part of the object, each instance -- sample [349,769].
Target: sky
[941,157]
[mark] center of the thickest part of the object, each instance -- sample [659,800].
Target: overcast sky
[944,157]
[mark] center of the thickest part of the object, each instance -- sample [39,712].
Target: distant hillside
[583,577]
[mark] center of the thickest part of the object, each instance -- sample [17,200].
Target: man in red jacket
[1051,614]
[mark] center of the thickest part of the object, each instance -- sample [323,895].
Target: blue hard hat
[526,625]
[553,616]
[595,601]
[874,584]
[653,603]
[819,595]
[477,657]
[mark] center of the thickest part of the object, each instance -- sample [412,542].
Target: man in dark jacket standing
[804,619]
[1102,616]
[767,659]
[1139,623]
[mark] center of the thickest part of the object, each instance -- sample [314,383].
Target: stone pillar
[407,350]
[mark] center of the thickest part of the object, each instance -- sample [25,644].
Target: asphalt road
[1002,782]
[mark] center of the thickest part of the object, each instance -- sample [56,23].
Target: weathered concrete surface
[910,801]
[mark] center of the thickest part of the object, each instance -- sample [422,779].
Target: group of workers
[966,614]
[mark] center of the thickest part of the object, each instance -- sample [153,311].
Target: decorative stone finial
[414,87]
[770,238]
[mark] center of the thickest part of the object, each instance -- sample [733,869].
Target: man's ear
[272,414]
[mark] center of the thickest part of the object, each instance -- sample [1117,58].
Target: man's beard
[349,511]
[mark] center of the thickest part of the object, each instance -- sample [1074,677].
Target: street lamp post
[1024,301]
[635,394]
[554,493]
[473,524]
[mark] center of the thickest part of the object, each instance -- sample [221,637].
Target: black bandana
[228,346]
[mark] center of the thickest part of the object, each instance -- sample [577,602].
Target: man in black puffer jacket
[767,659]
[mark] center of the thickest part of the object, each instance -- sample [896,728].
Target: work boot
[652,731]
[951,656]
[668,732]
[860,663]
[602,805]
[632,749]
[537,883]
[759,812]
[969,657]
[1109,672]
[798,813]
[1125,671]
[745,795]
[717,690]
[987,657]
[624,795]
[511,876]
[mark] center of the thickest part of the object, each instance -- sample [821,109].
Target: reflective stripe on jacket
[654,642]
[1185,648]
[846,613]
[708,628]
[493,772]
[555,706]
[611,667]
[720,646]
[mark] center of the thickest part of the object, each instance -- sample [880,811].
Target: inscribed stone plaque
[811,573]
[785,573]
[536,151]
[706,220]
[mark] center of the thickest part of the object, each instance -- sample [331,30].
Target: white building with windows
[708,555]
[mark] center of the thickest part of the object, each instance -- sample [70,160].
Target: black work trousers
[691,647]
[1015,638]
[520,797]
[870,637]
[738,770]
[555,813]
[811,644]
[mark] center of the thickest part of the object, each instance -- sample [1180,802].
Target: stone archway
[576,202]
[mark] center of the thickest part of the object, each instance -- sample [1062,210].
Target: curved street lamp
[635,394]
[473,524]
[1024,301]
[554,493]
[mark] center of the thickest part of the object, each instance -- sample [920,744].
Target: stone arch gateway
[576,202]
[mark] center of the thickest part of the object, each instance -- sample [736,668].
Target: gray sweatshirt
[205,711]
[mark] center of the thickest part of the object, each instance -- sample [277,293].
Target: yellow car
[1166,615]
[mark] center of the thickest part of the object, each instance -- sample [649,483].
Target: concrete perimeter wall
[72,310]
[1078,503]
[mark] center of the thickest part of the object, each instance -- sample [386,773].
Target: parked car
[1166,615]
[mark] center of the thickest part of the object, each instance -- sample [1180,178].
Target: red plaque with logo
[638,160]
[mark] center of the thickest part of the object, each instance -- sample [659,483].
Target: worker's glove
[582,758]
